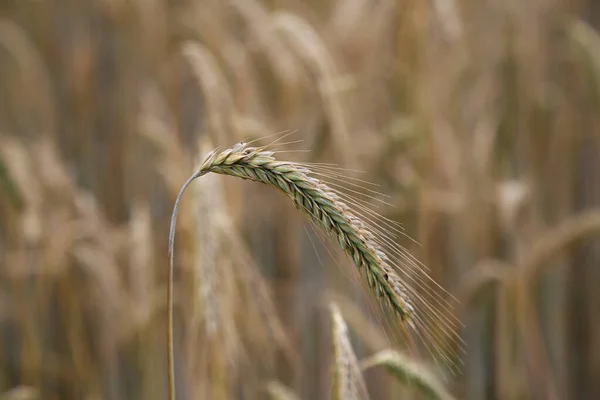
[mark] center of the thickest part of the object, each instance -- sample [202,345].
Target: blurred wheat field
[478,118]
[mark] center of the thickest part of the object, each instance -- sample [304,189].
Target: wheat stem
[170,350]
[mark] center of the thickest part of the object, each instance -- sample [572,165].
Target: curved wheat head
[394,275]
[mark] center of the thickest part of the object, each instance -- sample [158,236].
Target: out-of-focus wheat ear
[310,48]
[348,382]
[170,165]
[254,295]
[409,373]
[229,281]
[34,80]
[278,391]
[260,26]
[215,89]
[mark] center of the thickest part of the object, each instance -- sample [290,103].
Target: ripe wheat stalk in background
[394,276]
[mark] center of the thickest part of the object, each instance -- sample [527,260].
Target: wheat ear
[370,248]
[324,207]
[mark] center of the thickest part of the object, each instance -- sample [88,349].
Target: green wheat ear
[373,252]
[323,207]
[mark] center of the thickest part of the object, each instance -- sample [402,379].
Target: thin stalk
[170,351]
